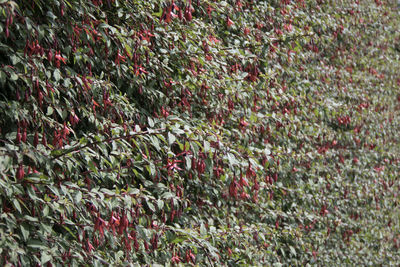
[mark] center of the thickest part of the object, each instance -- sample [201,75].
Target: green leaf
[152,169]
[25,231]
[155,142]
[57,75]
[13,76]
[171,138]
[69,231]
[30,218]
[167,195]
[151,206]
[159,13]
[160,204]
[293,251]
[45,211]
[78,197]
[17,206]
[179,239]
[92,167]
[50,111]
[36,244]
[203,230]
[3,78]
[206,146]
[151,122]
[45,257]
[14,59]
[232,160]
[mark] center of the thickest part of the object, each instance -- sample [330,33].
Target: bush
[200,133]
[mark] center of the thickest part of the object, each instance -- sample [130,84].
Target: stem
[77,148]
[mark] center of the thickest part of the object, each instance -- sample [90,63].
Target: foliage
[231,133]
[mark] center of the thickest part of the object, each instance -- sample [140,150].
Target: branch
[77,148]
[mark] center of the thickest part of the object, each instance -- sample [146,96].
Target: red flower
[188,13]
[324,211]
[97,2]
[243,181]
[114,222]
[239,4]
[288,27]
[229,22]
[73,119]
[244,195]
[123,224]
[99,225]
[190,257]
[214,40]
[119,58]
[379,168]
[172,165]
[65,132]
[59,58]
[89,246]
[278,31]
[175,259]
[243,123]
[209,10]
[250,172]
[233,188]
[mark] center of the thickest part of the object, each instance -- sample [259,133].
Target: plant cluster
[199,132]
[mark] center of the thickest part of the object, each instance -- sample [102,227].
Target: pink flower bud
[20,172]
[18,139]
[36,139]
[24,136]
[188,14]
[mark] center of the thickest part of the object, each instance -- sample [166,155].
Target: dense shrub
[235,132]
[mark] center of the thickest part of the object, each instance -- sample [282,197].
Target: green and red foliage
[199,132]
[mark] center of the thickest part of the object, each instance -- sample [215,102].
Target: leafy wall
[196,132]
